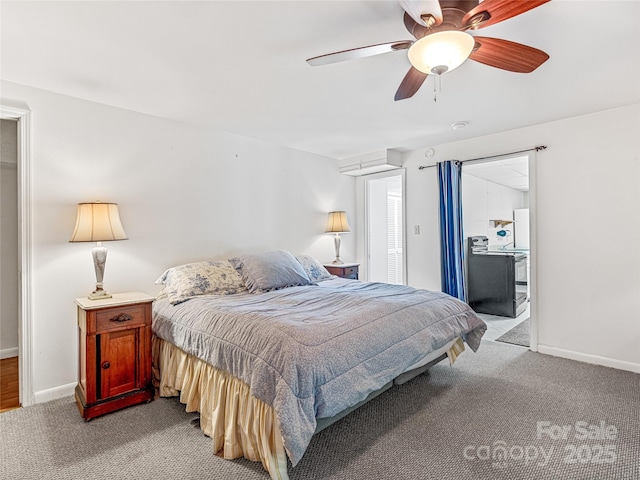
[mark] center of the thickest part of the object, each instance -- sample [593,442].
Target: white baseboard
[54,393]
[68,389]
[8,353]
[587,358]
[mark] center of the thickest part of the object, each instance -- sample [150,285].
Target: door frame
[533,243]
[533,252]
[22,114]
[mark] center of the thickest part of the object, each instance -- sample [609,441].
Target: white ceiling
[511,172]
[240,67]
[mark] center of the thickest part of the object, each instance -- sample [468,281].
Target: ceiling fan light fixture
[441,52]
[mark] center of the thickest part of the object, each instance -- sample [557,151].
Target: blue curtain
[451,237]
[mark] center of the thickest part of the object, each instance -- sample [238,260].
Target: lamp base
[99,294]
[336,244]
[99,254]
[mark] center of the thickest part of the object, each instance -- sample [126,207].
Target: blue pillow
[263,272]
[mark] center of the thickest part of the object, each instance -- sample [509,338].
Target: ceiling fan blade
[490,12]
[507,55]
[426,13]
[359,52]
[410,84]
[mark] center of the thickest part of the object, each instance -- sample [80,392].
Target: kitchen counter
[508,250]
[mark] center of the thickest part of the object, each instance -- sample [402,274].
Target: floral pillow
[315,270]
[201,278]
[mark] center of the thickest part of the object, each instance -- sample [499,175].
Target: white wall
[185,194]
[482,201]
[587,186]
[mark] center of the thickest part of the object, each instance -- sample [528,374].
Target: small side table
[344,270]
[114,337]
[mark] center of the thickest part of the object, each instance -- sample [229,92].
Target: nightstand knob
[106,365]
[123,317]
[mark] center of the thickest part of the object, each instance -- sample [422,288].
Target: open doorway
[385,213]
[495,196]
[20,114]
[9,266]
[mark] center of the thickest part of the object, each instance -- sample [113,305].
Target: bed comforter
[313,351]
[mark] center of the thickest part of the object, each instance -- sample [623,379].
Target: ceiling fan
[442,42]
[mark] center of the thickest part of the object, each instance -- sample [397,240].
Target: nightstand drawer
[344,271]
[350,271]
[120,317]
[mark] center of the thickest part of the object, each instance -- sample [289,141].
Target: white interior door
[385,227]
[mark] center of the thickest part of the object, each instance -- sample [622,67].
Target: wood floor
[9,396]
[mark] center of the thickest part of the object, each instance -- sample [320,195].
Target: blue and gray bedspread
[313,351]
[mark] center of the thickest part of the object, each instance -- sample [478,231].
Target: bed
[283,349]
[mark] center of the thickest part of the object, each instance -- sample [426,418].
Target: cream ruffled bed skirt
[238,424]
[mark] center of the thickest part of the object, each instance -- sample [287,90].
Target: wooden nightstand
[114,337]
[345,270]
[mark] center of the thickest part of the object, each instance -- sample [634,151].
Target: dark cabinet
[494,285]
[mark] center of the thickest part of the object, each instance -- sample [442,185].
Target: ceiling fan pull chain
[437,86]
[435,94]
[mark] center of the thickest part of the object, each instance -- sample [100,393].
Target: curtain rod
[537,149]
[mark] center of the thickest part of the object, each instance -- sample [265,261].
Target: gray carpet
[449,423]
[518,335]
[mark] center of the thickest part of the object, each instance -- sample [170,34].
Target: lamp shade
[98,222]
[337,223]
[441,52]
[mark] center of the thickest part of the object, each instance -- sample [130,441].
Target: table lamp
[337,224]
[98,222]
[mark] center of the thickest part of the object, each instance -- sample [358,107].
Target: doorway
[9,262]
[20,114]
[496,206]
[385,220]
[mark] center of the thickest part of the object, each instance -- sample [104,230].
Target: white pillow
[268,271]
